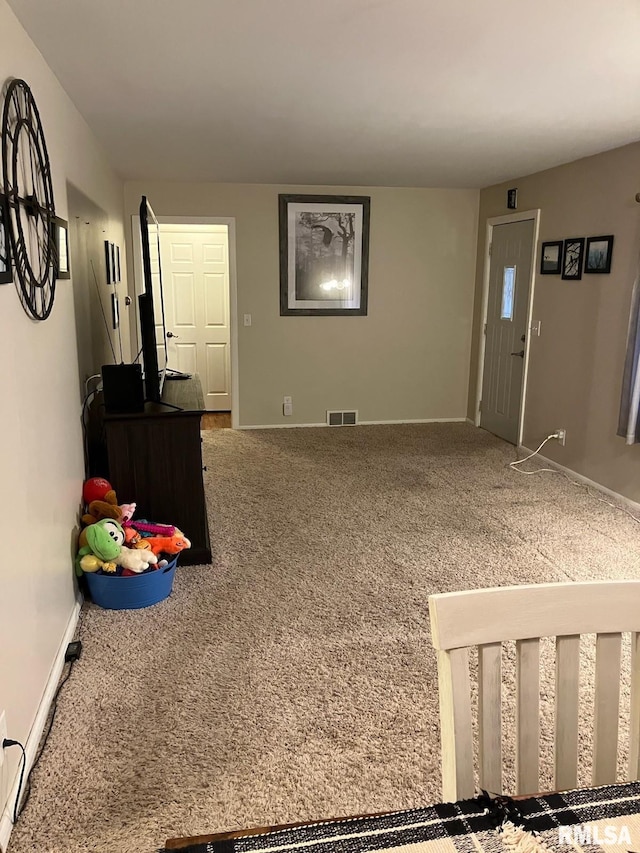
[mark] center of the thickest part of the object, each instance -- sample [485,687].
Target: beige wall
[97,340]
[41,461]
[408,359]
[576,364]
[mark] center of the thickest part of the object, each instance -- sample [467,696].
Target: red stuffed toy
[95,489]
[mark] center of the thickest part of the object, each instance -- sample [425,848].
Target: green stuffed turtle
[105,550]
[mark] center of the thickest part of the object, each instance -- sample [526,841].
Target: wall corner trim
[585,481]
[33,740]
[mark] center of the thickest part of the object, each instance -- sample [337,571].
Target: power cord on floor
[6,743]
[513,466]
[21,801]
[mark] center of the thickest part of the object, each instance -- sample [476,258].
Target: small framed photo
[512,198]
[115,311]
[6,273]
[61,248]
[598,255]
[572,259]
[551,258]
[324,254]
[108,260]
[118,277]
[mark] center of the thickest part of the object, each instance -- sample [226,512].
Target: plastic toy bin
[131,593]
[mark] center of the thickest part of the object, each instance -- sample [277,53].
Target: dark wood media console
[155,458]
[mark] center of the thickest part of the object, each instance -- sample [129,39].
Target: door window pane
[508,291]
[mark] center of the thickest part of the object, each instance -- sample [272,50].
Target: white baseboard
[279,426]
[415,421]
[360,423]
[634,505]
[470,421]
[33,740]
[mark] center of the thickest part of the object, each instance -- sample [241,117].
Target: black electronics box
[122,388]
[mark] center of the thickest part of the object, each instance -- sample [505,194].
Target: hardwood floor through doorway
[216,420]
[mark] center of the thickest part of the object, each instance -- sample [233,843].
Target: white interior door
[506,328]
[195,275]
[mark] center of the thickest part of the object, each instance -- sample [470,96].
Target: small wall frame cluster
[569,257]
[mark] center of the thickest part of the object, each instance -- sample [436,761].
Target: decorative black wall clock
[29,197]
[6,276]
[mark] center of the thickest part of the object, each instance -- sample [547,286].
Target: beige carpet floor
[294,679]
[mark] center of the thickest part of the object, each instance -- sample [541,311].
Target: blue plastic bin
[114,592]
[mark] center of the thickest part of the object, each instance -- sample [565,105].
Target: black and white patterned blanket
[606,818]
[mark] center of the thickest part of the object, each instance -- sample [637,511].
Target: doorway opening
[507,302]
[199,288]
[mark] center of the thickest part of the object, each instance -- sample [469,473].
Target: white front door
[195,276]
[506,328]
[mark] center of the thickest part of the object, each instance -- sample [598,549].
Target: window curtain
[629,423]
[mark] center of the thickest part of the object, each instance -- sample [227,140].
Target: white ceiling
[440,93]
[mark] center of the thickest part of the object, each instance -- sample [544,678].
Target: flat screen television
[153,335]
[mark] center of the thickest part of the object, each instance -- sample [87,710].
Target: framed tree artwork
[324,254]
[572,259]
[598,255]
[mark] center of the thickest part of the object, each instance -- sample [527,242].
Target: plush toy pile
[111,542]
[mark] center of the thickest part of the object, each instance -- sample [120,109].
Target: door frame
[491,222]
[230,222]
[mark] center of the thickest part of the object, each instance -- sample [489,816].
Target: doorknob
[171,335]
[521,353]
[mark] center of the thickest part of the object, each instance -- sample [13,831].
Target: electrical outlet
[247,319]
[3,735]
[287,407]
[561,434]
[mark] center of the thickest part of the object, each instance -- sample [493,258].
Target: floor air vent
[342,418]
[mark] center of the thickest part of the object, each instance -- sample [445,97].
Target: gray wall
[576,365]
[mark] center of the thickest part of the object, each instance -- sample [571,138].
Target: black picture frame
[551,257]
[572,259]
[512,198]
[62,263]
[324,237]
[6,270]
[597,255]
[108,260]
[116,260]
[115,311]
